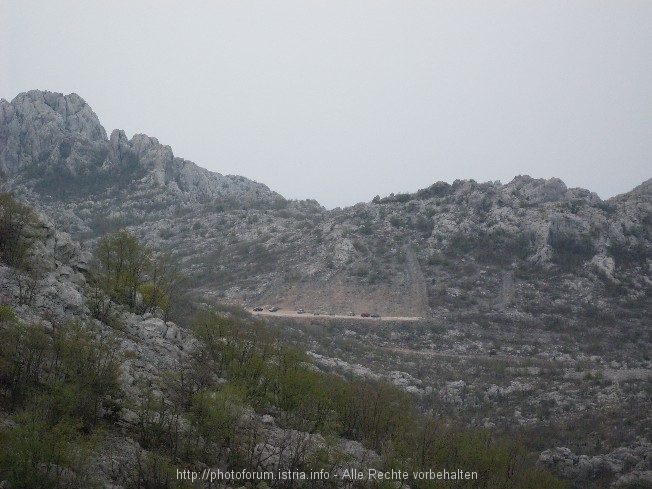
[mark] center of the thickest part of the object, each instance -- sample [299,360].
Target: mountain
[55,145]
[468,246]
[530,302]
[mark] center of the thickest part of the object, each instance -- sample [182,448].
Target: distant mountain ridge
[514,248]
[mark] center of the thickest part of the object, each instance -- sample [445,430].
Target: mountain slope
[113,398]
[528,246]
[537,298]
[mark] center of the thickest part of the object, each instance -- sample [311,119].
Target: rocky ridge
[397,255]
[55,145]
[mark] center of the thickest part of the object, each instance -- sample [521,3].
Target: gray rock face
[37,124]
[626,464]
[54,143]
[537,190]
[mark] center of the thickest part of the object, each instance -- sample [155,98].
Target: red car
[365,314]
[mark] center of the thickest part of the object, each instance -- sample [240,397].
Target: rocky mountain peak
[541,190]
[37,124]
[55,144]
[41,109]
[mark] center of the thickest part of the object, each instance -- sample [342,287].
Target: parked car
[300,311]
[365,314]
[273,309]
[351,313]
[258,308]
[375,315]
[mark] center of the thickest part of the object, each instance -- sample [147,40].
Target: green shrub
[6,314]
[494,247]
[628,255]
[24,352]
[570,250]
[37,455]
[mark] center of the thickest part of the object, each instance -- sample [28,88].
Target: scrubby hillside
[105,397]
[536,299]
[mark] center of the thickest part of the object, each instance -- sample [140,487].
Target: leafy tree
[57,385]
[153,298]
[130,273]
[299,391]
[164,276]
[214,416]
[73,373]
[159,419]
[23,353]
[100,304]
[372,412]
[237,362]
[37,455]
[17,231]
[156,471]
[123,264]
[219,337]
[83,373]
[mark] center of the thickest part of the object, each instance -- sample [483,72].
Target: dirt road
[307,315]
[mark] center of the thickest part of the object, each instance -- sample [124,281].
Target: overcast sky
[343,100]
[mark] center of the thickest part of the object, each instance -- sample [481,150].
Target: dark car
[375,315]
[365,314]
[258,308]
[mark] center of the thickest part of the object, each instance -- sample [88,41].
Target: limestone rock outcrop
[56,144]
[629,465]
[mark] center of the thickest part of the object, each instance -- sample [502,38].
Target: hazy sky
[342,100]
